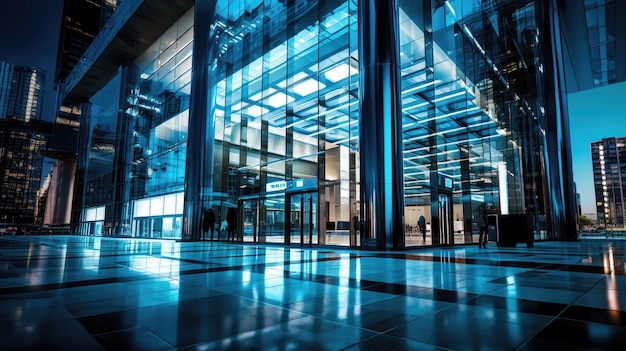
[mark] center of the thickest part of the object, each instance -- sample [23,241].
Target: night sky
[29,36]
[29,32]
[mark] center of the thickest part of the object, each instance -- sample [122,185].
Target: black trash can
[513,230]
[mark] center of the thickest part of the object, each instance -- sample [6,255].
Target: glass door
[446,234]
[251,221]
[303,219]
[264,219]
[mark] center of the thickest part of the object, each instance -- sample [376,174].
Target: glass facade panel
[284,111]
[137,142]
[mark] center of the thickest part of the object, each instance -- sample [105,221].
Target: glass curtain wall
[138,131]
[470,115]
[159,108]
[286,115]
[100,136]
[286,120]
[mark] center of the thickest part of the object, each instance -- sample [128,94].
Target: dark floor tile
[347,282]
[580,335]
[229,344]
[392,343]
[595,315]
[537,344]
[16,313]
[463,327]
[121,320]
[531,274]
[306,333]
[64,336]
[211,319]
[518,305]
[442,295]
[133,339]
[382,321]
[392,288]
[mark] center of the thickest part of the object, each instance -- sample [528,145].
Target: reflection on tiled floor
[86,293]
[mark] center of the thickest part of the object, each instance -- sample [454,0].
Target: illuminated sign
[300,185]
[280,185]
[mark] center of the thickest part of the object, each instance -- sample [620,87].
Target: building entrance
[251,220]
[302,226]
[264,219]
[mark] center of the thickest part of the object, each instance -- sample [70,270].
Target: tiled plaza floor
[86,293]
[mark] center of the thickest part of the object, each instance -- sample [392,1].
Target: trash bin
[513,230]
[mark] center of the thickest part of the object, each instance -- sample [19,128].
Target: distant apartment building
[609,175]
[22,134]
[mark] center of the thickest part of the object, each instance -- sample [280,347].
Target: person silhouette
[231,219]
[421,223]
[482,225]
[209,223]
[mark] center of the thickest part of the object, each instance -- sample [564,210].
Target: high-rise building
[326,122]
[22,134]
[81,23]
[21,91]
[609,177]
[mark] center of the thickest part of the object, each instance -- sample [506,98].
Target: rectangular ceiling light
[259,95]
[299,76]
[256,111]
[308,86]
[279,99]
[341,71]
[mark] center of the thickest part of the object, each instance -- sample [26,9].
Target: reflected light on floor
[609,263]
[612,297]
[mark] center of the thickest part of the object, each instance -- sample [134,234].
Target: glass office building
[329,122]
[22,135]
[608,157]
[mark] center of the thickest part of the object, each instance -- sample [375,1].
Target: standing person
[421,223]
[205,224]
[482,225]
[231,219]
[209,222]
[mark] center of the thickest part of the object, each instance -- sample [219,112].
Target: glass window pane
[592,17]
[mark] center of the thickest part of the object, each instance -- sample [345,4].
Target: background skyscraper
[22,134]
[21,91]
[609,174]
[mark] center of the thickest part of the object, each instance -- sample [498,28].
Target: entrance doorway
[446,234]
[303,227]
[250,228]
[264,219]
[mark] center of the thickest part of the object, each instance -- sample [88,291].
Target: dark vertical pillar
[466,191]
[78,199]
[200,138]
[123,169]
[382,184]
[562,194]
[432,123]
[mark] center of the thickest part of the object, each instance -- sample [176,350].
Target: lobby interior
[78,293]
